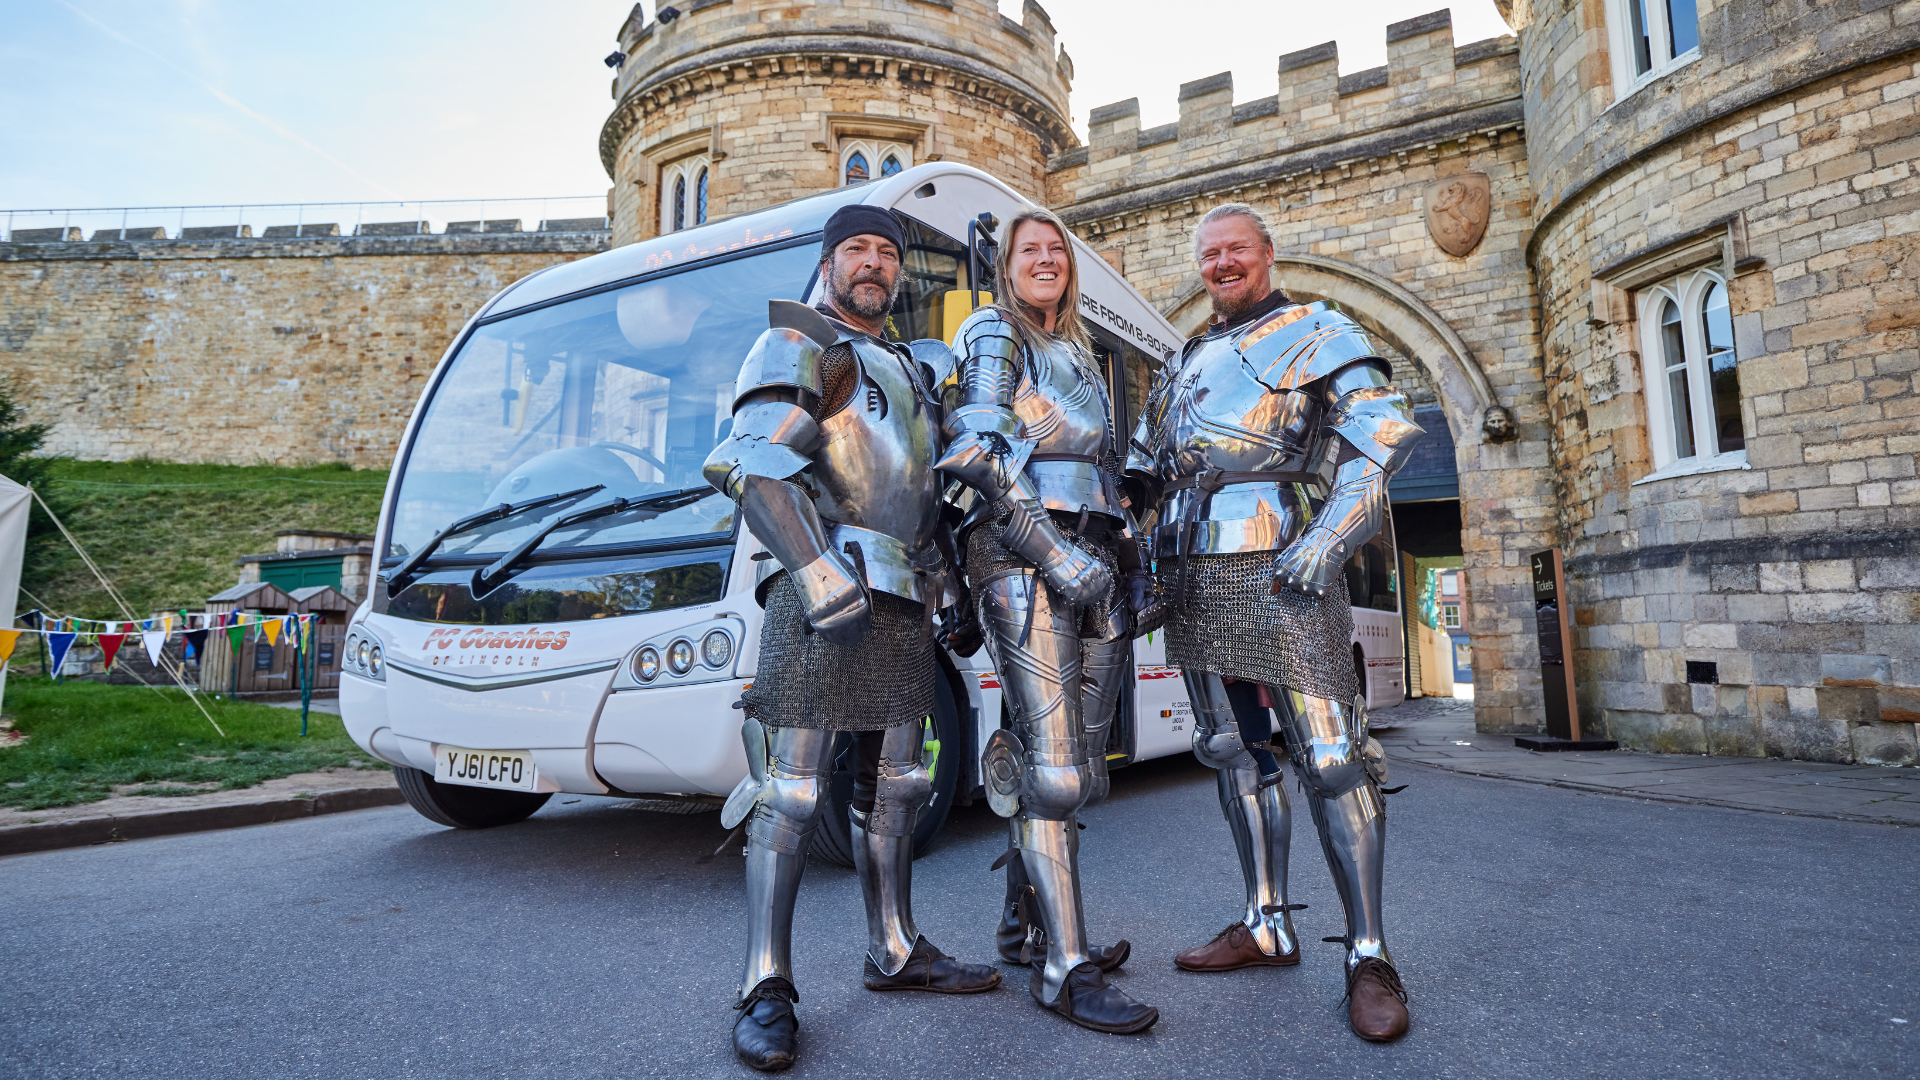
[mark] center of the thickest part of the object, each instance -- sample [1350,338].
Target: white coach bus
[517,646]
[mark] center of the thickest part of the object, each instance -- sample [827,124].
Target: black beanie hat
[858,220]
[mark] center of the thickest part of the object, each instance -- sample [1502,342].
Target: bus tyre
[833,840]
[462,807]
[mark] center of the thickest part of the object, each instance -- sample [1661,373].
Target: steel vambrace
[833,596]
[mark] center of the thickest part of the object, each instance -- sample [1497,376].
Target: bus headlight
[362,653]
[375,662]
[646,664]
[716,649]
[680,657]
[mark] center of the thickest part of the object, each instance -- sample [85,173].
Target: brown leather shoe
[1231,949]
[1377,1003]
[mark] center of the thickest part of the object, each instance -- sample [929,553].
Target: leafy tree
[22,462]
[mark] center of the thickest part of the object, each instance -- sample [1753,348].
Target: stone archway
[1385,308]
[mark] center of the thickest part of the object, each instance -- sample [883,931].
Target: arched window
[890,166]
[857,168]
[700,200]
[679,203]
[1692,376]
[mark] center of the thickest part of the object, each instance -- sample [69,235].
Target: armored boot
[1328,742]
[1066,979]
[783,818]
[1011,937]
[898,957]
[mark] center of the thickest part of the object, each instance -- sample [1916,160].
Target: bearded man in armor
[1273,405]
[1046,540]
[831,459]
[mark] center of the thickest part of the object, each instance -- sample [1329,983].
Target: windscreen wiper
[404,574]
[489,578]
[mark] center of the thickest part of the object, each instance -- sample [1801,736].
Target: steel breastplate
[1062,404]
[873,472]
[1216,415]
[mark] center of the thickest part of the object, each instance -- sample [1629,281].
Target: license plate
[510,769]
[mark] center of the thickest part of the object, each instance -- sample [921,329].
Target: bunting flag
[58,643]
[272,629]
[235,635]
[195,642]
[110,645]
[7,640]
[154,640]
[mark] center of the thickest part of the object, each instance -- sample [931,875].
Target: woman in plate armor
[1046,539]
[1265,450]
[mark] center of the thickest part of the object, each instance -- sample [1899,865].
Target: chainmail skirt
[804,681]
[1233,624]
[988,556]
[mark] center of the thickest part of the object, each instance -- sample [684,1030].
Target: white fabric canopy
[15,502]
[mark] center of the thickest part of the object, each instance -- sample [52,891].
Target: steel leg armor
[1330,748]
[1256,810]
[1036,646]
[778,832]
[883,848]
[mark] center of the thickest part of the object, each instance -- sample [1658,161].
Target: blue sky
[161,102]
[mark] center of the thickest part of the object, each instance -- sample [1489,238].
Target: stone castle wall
[244,351]
[771,92]
[1771,606]
[1342,168]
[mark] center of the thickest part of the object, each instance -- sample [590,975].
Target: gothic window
[1692,376]
[1651,38]
[890,166]
[857,158]
[684,189]
[857,168]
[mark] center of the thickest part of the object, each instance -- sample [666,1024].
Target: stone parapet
[311,247]
[767,96]
[1429,95]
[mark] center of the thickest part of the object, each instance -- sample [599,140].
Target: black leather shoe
[767,1033]
[927,968]
[1011,934]
[1087,1000]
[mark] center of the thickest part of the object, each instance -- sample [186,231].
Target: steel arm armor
[1375,425]
[989,450]
[773,439]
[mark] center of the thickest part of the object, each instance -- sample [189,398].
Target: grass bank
[167,535]
[85,740]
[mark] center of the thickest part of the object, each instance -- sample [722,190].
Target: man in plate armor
[1273,403]
[1032,434]
[835,434]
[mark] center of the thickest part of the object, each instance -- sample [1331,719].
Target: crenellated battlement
[967,46]
[1430,98]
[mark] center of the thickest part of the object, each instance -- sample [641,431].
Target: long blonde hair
[1029,323]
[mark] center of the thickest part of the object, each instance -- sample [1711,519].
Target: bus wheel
[1360,672]
[462,807]
[945,742]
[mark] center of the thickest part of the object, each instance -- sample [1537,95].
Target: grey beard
[841,292]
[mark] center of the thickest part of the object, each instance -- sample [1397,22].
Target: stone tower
[730,105]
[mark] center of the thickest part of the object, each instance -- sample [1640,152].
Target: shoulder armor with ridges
[1298,346]
[788,352]
[980,331]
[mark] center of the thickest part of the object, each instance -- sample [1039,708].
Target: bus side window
[1358,593]
[1379,571]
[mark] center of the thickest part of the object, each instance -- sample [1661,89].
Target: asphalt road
[1541,933]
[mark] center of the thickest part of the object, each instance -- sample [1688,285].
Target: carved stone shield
[1457,212]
